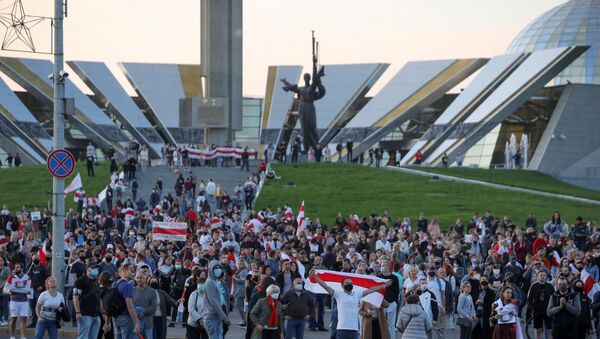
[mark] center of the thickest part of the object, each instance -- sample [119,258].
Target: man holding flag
[348,302]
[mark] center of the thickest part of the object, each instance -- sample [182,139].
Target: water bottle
[180,313]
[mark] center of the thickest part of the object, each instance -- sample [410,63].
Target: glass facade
[480,155]
[576,22]
[251,118]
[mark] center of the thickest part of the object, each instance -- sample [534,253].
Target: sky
[277,32]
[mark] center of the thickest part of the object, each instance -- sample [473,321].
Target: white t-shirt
[434,287]
[409,283]
[49,304]
[347,308]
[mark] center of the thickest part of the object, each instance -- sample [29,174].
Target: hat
[68,235]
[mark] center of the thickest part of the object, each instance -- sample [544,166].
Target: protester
[87,303]
[144,300]
[564,308]
[196,308]
[48,304]
[19,285]
[466,311]
[413,321]
[298,306]
[267,316]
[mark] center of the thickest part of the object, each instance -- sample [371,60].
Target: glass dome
[576,22]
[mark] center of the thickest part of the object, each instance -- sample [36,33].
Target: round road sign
[61,163]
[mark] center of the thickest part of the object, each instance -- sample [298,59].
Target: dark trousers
[246,163]
[32,303]
[270,334]
[134,195]
[349,157]
[195,332]
[294,157]
[90,168]
[346,334]
[320,300]
[160,328]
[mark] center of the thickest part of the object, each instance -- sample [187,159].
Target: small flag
[289,214]
[590,286]
[74,185]
[42,253]
[300,219]
[170,231]
[3,240]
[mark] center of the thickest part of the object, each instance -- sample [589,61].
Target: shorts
[539,320]
[19,309]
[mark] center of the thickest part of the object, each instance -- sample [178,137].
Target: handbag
[463,322]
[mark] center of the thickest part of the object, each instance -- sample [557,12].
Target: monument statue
[308,94]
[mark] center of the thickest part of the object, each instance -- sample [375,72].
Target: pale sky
[277,32]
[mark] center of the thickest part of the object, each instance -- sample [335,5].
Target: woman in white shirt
[144,157]
[49,302]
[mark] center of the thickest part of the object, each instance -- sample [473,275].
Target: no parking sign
[61,163]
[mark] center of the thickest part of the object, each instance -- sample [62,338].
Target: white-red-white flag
[333,279]
[555,259]
[3,240]
[300,219]
[74,185]
[170,231]
[590,286]
[289,214]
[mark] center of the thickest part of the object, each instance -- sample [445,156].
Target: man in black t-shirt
[391,295]
[38,274]
[87,303]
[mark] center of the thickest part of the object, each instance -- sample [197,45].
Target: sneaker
[13,338]
[172,324]
[31,326]
[3,323]
[242,325]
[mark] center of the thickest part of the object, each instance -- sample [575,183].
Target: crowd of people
[487,276]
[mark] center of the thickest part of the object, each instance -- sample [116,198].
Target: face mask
[484,283]
[275,296]
[477,276]
[298,287]
[496,272]
[348,287]
[177,266]
[218,272]
[94,272]
[36,261]
[578,288]
[140,238]
[200,288]
[108,259]
[131,233]
[423,287]
[431,274]
[82,257]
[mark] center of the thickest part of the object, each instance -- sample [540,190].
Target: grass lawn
[28,185]
[526,179]
[329,188]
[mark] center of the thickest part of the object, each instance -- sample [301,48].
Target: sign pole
[58,185]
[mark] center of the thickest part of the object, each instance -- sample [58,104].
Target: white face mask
[275,295]
[423,287]
[496,272]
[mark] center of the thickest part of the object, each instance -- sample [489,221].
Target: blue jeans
[123,326]
[42,326]
[4,313]
[294,328]
[88,327]
[334,319]
[346,334]
[214,328]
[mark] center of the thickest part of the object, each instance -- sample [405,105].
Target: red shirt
[191,215]
[537,243]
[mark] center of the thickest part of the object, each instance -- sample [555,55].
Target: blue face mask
[94,272]
[218,272]
[200,288]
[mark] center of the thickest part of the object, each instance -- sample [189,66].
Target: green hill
[519,178]
[30,185]
[331,188]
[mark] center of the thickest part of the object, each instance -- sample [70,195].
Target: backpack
[113,302]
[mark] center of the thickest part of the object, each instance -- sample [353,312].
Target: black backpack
[114,303]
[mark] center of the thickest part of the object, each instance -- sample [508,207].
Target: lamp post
[58,185]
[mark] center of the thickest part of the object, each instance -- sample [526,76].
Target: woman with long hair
[105,281]
[505,314]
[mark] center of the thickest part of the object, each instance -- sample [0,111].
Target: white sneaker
[13,338]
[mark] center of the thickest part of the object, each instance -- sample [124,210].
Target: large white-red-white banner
[223,152]
[333,279]
[169,231]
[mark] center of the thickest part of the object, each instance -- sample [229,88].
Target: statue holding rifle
[307,95]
